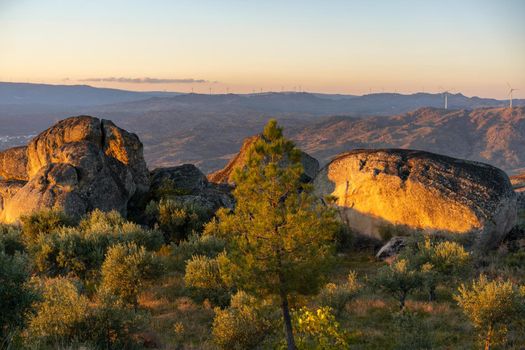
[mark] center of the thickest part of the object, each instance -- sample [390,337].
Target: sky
[354,47]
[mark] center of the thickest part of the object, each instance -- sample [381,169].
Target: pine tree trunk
[432,294]
[488,338]
[402,299]
[287,322]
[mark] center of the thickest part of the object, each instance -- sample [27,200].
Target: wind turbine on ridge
[510,94]
[446,93]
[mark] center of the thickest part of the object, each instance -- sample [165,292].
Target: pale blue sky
[332,46]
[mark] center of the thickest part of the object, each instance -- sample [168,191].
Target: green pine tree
[280,238]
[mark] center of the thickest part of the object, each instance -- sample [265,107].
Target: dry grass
[180,323]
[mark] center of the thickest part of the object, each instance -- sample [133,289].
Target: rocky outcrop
[225,175]
[79,164]
[190,186]
[13,164]
[421,191]
[392,247]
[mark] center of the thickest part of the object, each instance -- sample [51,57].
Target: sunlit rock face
[13,163]
[421,191]
[225,175]
[77,165]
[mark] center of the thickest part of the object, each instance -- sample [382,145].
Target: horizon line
[257,93]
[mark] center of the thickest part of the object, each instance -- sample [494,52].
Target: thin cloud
[145,80]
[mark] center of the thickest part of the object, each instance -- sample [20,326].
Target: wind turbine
[510,94]
[446,93]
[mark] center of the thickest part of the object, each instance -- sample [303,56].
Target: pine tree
[280,238]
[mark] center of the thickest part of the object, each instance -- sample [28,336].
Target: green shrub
[176,220]
[318,330]
[60,315]
[80,251]
[16,295]
[168,189]
[11,239]
[438,262]
[112,326]
[492,307]
[203,279]
[205,245]
[42,223]
[398,280]
[246,324]
[337,296]
[126,270]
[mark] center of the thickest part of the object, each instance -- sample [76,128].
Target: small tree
[491,306]
[126,270]
[398,280]
[280,239]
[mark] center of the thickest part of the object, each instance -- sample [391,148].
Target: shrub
[16,296]
[437,261]
[491,306]
[337,296]
[246,324]
[112,326]
[204,280]
[398,280]
[205,245]
[176,220]
[318,329]
[11,239]
[126,270]
[60,315]
[43,223]
[168,189]
[80,251]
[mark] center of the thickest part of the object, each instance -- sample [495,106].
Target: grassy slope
[368,318]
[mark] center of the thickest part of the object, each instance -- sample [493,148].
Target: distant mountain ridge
[67,95]
[207,130]
[490,135]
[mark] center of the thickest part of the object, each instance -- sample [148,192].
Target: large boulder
[225,175]
[79,164]
[191,187]
[418,190]
[13,163]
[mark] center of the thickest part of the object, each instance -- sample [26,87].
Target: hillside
[207,130]
[491,135]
